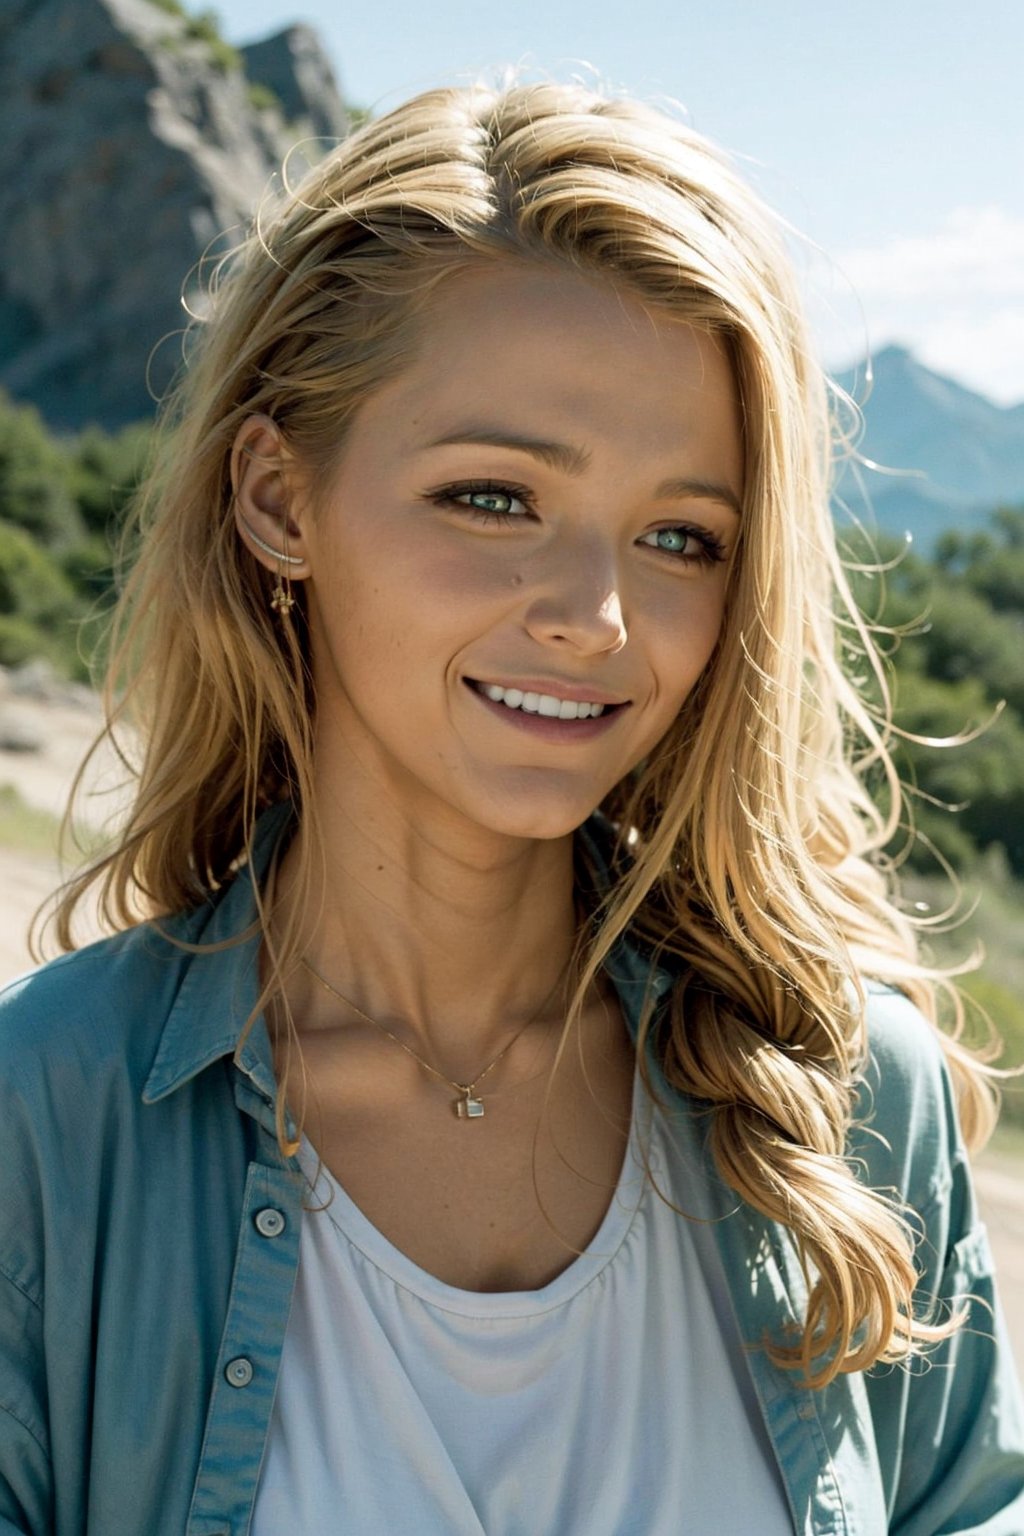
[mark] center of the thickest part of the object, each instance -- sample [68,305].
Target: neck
[451,936]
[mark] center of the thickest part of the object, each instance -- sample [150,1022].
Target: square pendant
[468,1108]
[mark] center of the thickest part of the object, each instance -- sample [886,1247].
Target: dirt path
[1000,1180]
[25,882]
[53,727]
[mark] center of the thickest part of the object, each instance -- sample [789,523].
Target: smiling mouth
[546,704]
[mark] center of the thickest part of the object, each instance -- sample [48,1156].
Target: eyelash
[448,496]
[712,552]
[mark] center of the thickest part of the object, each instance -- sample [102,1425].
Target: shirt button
[239,1372]
[270,1222]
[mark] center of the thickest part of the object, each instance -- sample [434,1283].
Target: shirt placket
[249,1358]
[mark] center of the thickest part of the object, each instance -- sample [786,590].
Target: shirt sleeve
[949,1427]
[25,1481]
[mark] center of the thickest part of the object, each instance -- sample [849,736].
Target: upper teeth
[542,703]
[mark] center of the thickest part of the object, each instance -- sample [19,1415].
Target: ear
[266,504]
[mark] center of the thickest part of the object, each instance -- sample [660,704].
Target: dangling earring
[281,599]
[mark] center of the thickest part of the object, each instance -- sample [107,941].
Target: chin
[518,818]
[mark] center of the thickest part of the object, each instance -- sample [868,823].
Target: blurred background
[137,138]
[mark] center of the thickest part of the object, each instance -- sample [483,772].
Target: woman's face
[518,568]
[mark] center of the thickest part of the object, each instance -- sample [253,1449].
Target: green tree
[963,636]
[954,642]
[979,779]
[34,489]
[105,469]
[39,608]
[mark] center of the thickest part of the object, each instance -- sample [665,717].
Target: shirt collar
[220,982]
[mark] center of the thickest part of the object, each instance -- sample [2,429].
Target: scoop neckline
[355,1228]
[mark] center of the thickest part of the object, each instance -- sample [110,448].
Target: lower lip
[549,727]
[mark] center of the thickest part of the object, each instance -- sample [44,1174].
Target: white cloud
[978,249]
[983,351]
[955,297]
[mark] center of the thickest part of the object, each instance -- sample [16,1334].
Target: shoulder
[123,987]
[77,1038]
[898,1031]
[107,1000]
[905,1058]
[905,1062]
[79,1042]
[905,1127]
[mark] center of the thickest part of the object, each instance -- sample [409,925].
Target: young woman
[512,1102]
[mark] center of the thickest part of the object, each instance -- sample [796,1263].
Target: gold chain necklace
[468,1106]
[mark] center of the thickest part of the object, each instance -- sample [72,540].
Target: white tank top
[612,1402]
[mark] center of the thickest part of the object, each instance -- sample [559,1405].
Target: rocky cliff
[133,141]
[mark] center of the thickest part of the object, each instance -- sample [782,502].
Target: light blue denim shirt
[149,1239]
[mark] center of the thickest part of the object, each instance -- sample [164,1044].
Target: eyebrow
[573,461]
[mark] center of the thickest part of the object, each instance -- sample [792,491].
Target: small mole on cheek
[517,580]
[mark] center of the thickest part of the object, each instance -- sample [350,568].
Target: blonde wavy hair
[749,846]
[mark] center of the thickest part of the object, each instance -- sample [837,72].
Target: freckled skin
[408,599]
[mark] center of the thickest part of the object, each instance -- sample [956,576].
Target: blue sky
[890,131]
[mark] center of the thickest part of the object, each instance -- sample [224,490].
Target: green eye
[672,540]
[690,546]
[499,502]
[486,501]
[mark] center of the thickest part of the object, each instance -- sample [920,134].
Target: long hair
[748,847]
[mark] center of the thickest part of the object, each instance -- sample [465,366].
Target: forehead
[548,352]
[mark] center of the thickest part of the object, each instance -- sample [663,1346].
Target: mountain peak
[945,451]
[898,364]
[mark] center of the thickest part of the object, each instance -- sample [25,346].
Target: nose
[577,604]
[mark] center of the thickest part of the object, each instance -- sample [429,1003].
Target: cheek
[391,610]
[429,575]
[687,632]
[465,571]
